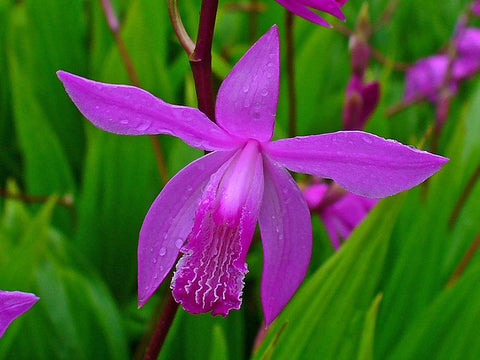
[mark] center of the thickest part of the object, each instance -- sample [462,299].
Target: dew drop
[143,126]
[151,249]
[264,92]
[162,251]
[155,276]
[367,139]
[179,243]
[246,88]
[124,121]
[154,260]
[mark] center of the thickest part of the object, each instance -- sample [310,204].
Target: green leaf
[325,318]
[448,329]
[368,335]
[219,348]
[47,168]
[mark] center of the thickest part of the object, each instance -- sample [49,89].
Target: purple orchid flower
[340,216]
[475,8]
[209,210]
[302,8]
[12,305]
[361,99]
[427,75]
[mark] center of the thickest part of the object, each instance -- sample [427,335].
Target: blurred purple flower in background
[475,8]
[12,305]
[301,8]
[340,213]
[426,76]
[361,98]
[360,101]
[209,210]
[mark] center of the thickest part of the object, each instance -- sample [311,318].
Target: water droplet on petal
[179,243]
[246,88]
[151,249]
[162,251]
[367,139]
[264,92]
[143,126]
[124,121]
[154,260]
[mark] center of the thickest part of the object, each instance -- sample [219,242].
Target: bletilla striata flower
[475,8]
[12,305]
[427,75]
[361,99]
[340,216]
[209,210]
[302,8]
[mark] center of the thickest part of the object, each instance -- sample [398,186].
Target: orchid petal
[247,99]
[331,7]
[169,221]
[328,221]
[301,10]
[286,232]
[12,305]
[210,274]
[360,162]
[128,110]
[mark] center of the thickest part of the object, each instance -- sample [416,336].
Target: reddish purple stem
[201,59]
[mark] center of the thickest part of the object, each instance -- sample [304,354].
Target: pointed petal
[12,305]
[247,99]
[286,232]
[210,275]
[360,162]
[329,6]
[303,11]
[169,220]
[128,110]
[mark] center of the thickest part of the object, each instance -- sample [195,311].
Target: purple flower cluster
[426,77]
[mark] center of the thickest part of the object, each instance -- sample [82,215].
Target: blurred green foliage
[382,296]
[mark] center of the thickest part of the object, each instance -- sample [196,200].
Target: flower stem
[462,265]
[252,22]
[66,200]
[177,23]
[464,196]
[161,330]
[201,58]
[292,110]
[114,27]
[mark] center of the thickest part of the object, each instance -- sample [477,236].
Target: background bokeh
[77,196]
